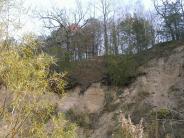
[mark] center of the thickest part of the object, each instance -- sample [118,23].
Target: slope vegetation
[156,96]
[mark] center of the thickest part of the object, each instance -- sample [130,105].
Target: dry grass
[128,129]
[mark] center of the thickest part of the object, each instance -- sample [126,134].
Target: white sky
[31,24]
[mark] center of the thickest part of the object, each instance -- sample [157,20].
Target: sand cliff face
[91,101]
[162,86]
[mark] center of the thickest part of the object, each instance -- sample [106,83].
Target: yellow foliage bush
[25,72]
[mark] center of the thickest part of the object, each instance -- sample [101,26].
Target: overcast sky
[71,3]
[31,24]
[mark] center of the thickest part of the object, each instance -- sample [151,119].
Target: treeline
[130,32]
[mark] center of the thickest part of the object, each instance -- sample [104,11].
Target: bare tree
[10,19]
[105,9]
[65,25]
[172,13]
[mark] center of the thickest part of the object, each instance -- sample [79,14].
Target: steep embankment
[157,96]
[92,101]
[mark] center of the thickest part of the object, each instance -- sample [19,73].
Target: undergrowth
[24,71]
[122,70]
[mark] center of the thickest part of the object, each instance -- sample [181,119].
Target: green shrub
[162,113]
[121,69]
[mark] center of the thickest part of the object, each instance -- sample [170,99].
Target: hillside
[88,71]
[156,96]
[91,69]
[95,104]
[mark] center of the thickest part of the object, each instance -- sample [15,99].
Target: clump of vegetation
[162,113]
[143,94]
[81,119]
[121,69]
[25,72]
[56,84]
[110,97]
[128,130]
